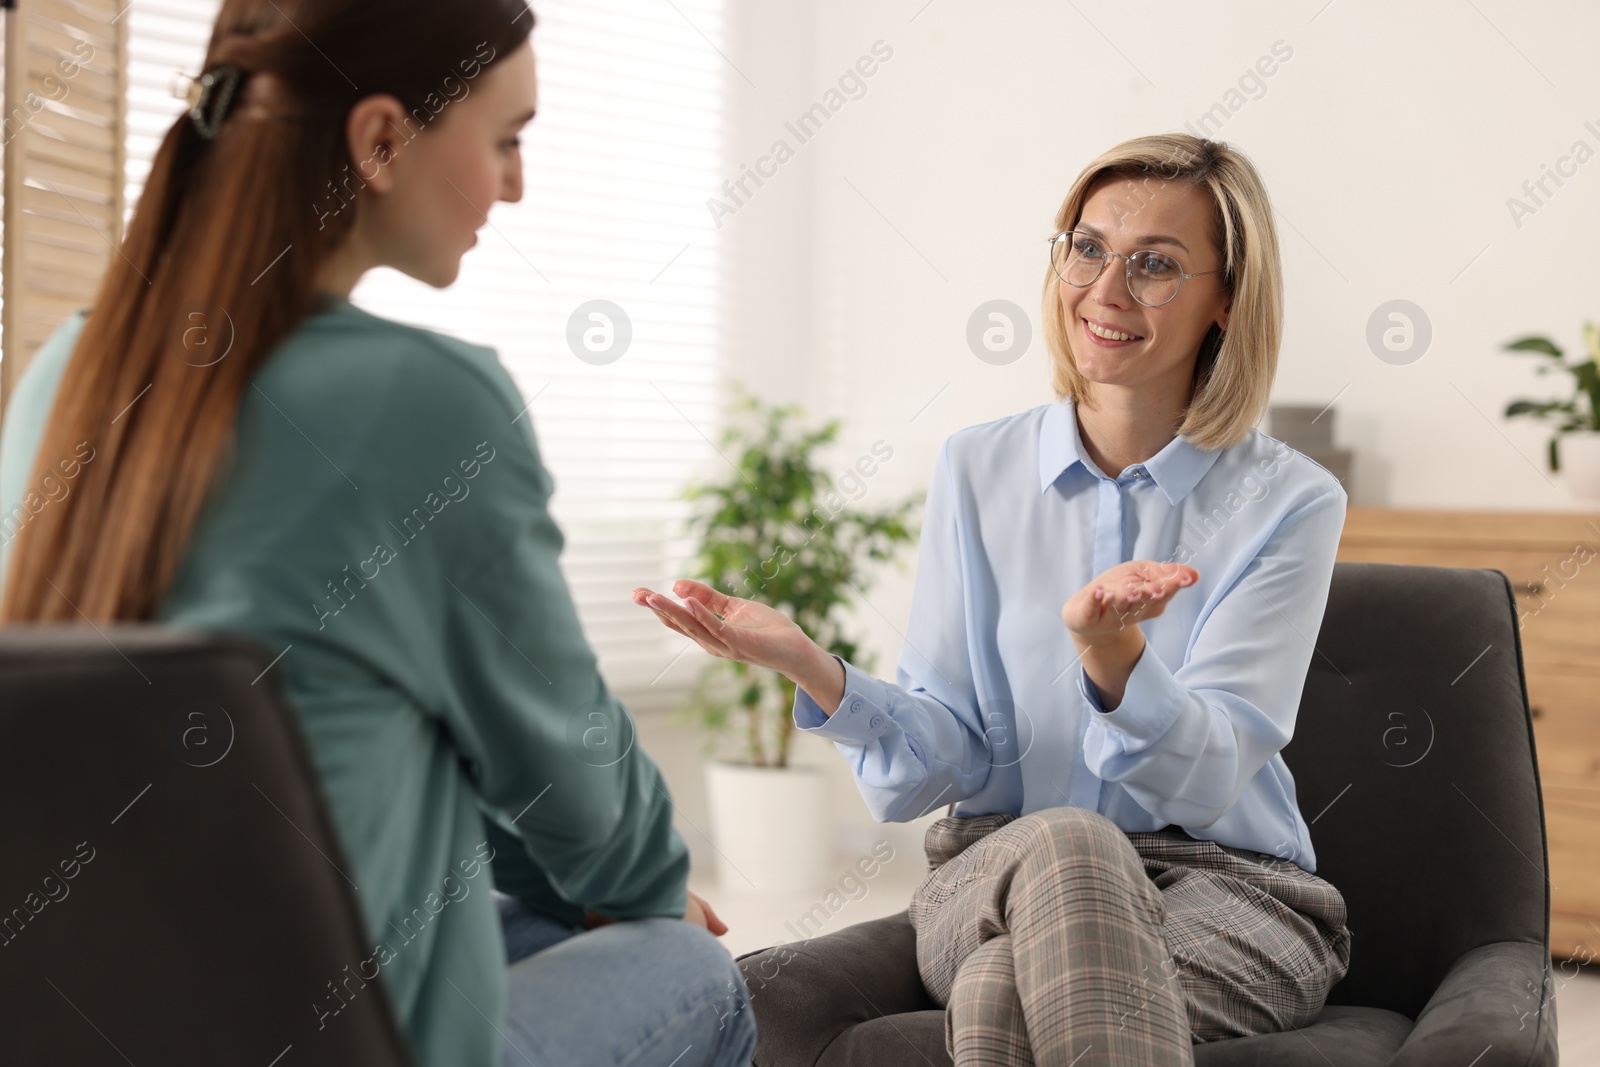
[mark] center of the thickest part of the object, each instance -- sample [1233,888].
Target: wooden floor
[758,920]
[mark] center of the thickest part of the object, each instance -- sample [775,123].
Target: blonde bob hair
[1234,369]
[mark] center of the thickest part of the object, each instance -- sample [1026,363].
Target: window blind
[617,165]
[166,44]
[63,159]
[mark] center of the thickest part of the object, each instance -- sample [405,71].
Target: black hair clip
[210,94]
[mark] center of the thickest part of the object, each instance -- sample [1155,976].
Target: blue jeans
[642,993]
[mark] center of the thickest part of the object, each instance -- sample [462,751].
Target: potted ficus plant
[1574,447]
[776,527]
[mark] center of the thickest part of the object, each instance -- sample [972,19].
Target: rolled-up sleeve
[920,741]
[1186,743]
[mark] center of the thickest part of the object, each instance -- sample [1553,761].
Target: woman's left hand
[1127,593]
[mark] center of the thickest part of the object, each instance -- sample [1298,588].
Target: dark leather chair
[1413,757]
[173,889]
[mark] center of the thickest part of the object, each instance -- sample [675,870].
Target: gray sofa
[1413,755]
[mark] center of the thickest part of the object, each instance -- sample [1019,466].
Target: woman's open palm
[1128,593]
[728,626]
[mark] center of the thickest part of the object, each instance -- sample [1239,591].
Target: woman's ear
[372,130]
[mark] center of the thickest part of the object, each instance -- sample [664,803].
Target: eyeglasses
[1154,278]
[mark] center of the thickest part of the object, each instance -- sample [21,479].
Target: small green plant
[778,530]
[1580,411]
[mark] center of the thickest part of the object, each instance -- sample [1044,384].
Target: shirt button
[856,706]
[877,721]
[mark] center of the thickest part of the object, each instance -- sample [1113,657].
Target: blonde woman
[1111,626]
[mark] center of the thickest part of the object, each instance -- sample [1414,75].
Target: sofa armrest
[1496,999]
[806,993]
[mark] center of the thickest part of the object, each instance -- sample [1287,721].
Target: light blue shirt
[991,709]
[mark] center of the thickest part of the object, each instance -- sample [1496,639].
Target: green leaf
[1542,345]
[1588,378]
[1537,408]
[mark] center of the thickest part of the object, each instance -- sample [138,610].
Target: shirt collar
[1176,469]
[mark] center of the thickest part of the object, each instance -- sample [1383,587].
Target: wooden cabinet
[1553,561]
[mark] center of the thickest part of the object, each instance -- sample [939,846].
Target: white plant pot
[1580,463]
[769,826]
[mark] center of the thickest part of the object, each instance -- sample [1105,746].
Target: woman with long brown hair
[249,452]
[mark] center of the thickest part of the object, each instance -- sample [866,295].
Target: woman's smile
[1106,335]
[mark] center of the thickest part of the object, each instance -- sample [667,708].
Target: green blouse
[384,525]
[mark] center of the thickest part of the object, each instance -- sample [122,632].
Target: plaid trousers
[1058,938]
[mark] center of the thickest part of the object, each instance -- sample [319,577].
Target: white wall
[1390,141]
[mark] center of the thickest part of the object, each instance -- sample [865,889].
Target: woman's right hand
[747,631]
[753,633]
[699,912]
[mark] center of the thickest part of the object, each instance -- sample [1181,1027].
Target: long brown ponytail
[218,261]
